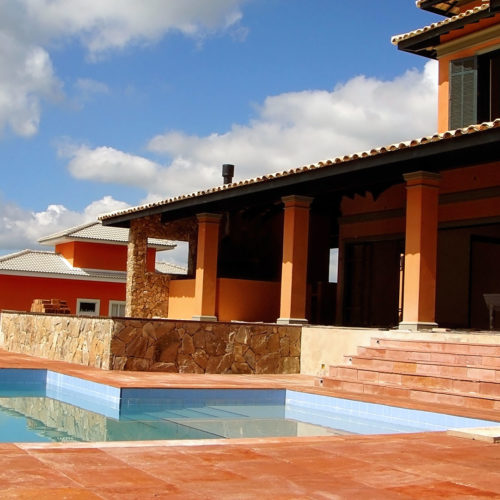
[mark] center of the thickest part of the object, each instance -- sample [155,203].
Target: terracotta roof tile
[448,135]
[405,36]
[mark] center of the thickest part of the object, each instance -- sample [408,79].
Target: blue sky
[108,104]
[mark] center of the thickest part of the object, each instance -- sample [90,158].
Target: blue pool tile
[91,396]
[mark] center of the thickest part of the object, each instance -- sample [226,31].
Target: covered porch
[416,225]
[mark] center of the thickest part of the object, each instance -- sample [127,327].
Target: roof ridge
[68,231]
[24,252]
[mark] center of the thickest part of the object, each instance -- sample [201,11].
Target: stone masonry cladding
[154,344]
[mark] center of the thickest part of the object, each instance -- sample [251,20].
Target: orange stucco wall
[18,292]
[470,178]
[362,216]
[99,255]
[238,300]
[181,301]
[392,198]
[246,300]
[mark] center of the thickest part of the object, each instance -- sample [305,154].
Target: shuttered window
[463,92]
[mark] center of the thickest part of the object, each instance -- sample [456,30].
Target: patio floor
[424,465]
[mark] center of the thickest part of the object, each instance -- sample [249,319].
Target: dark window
[87,307]
[474,90]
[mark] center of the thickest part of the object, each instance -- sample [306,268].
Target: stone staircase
[448,373]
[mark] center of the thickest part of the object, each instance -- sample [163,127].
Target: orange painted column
[419,299]
[294,262]
[206,267]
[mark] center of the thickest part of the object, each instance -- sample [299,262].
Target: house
[416,224]
[87,270]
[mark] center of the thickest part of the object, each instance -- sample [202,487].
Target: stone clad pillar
[147,290]
[419,299]
[136,268]
[206,266]
[294,262]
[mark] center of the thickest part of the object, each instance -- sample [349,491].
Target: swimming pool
[42,405]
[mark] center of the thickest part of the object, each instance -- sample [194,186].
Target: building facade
[86,270]
[416,224]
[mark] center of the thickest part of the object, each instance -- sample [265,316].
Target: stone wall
[198,347]
[78,339]
[154,345]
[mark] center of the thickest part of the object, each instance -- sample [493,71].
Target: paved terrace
[404,466]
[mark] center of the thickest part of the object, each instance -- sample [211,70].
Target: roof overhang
[425,42]
[116,278]
[357,174]
[152,243]
[447,8]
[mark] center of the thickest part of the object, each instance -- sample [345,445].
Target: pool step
[448,373]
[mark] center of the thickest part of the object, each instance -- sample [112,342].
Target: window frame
[96,302]
[472,83]
[116,303]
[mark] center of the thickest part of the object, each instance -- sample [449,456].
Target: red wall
[100,255]
[18,292]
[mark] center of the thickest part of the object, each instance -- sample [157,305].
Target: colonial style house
[416,224]
[87,271]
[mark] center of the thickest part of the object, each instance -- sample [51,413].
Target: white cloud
[114,24]
[20,228]
[105,164]
[290,130]
[26,77]
[29,29]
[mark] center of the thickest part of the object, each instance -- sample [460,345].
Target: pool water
[39,419]
[40,405]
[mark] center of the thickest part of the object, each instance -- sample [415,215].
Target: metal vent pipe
[227,173]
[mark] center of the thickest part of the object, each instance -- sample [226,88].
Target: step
[409,367]
[461,386]
[439,346]
[405,354]
[406,394]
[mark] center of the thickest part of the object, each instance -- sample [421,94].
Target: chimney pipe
[227,173]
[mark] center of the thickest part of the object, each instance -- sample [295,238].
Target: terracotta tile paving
[402,466]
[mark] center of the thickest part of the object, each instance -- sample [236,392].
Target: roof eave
[426,43]
[69,239]
[394,162]
[431,6]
